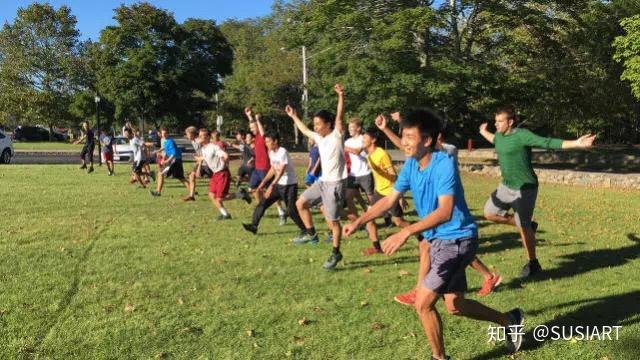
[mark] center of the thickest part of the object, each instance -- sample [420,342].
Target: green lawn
[91,267]
[46,145]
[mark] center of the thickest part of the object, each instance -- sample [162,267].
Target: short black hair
[427,122]
[508,110]
[273,135]
[241,133]
[372,132]
[326,116]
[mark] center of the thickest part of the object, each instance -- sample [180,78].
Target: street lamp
[97,100]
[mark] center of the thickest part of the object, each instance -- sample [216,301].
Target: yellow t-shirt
[384,174]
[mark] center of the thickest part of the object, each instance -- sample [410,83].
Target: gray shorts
[395,211]
[363,182]
[449,259]
[329,194]
[522,202]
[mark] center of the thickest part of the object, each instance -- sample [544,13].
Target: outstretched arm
[381,123]
[259,123]
[375,211]
[583,142]
[291,112]
[340,110]
[248,112]
[486,133]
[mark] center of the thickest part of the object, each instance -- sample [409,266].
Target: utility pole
[305,91]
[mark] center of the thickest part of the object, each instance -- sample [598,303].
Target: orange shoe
[408,298]
[489,285]
[187,198]
[371,251]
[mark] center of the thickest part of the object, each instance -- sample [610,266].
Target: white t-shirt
[281,158]
[359,166]
[214,157]
[136,146]
[331,156]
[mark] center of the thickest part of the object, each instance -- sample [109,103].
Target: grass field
[46,146]
[91,267]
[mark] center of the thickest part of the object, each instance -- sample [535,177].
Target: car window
[2,135]
[122,141]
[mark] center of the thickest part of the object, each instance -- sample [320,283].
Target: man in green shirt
[519,187]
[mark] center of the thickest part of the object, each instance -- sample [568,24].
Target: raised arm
[248,112]
[486,133]
[291,112]
[381,123]
[340,110]
[259,123]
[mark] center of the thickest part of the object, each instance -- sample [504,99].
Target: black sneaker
[515,330]
[154,193]
[282,220]
[223,217]
[531,268]
[333,260]
[110,173]
[534,226]
[90,170]
[82,167]
[250,228]
[244,195]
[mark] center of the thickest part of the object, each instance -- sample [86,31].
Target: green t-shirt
[514,156]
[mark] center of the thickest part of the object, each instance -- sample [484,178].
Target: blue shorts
[310,179]
[256,178]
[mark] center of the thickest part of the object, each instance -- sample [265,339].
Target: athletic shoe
[515,329]
[300,236]
[110,173]
[223,217]
[188,198]
[531,268]
[283,220]
[332,261]
[371,251]
[154,193]
[489,285]
[408,298]
[244,195]
[250,228]
[306,239]
[90,170]
[534,226]
[82,167]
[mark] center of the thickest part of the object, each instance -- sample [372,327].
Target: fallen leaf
[298,340]
[250,333]
[304,321]
[161,355]
[180,301]
[367,270]
[363,303]
[403,273]
[129,307]
[369,290]
[377,326]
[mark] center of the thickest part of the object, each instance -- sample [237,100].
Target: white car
[122,150]
[6,148]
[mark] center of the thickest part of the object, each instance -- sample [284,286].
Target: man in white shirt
[217,161]
[283,184]
[200,170]
[138,159]
[330,190]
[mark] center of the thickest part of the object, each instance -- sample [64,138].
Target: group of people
[339,171]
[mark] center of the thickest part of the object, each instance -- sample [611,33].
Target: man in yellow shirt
[384,175]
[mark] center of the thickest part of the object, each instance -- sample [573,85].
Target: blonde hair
[356,121]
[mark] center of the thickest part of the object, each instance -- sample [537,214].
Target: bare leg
[431,323]
[480,267]
[303,210]
[425,261]
[456,304]
[528,237]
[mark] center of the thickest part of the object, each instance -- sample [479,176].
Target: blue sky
[94,15]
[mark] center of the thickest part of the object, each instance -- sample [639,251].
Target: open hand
[395,242]
[586,141]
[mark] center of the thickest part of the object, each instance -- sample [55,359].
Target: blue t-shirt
[439,178]
[170,149]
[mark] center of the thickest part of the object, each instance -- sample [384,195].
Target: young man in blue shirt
[172,164]
[447,224]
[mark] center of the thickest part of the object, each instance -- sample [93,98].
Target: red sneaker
[408,298]
[187,198]
[489,285]
[371,251]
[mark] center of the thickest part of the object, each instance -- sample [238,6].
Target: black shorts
[245,170]
[204,171]
[176,170]
[87,152]
[395,211]
[361,182]
[137,166]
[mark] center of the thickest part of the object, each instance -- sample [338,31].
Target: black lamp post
[97,100]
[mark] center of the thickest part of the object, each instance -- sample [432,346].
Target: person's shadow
[615,310]
[585,261]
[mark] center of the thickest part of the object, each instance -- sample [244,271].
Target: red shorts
[107,156]
[219,184]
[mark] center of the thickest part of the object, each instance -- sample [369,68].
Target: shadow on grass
[585,261]
[615,310]
[351,265]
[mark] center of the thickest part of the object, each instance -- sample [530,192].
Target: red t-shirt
[262,158]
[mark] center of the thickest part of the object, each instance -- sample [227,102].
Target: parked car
[36,133]
[6,148]
[122,150]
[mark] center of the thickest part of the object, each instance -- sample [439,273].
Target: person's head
[396,116]
[355,126]
[203,136]
[215,135]
[85,126]
[323,122]
[272,140]
[128,124]
[164,132]
[506,116]
[191,133]
[253,127]
[128,134]
[248,138]
[240,135]
[420,129]
[370,137]
[136,133]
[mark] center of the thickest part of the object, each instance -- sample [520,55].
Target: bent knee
[453,306]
